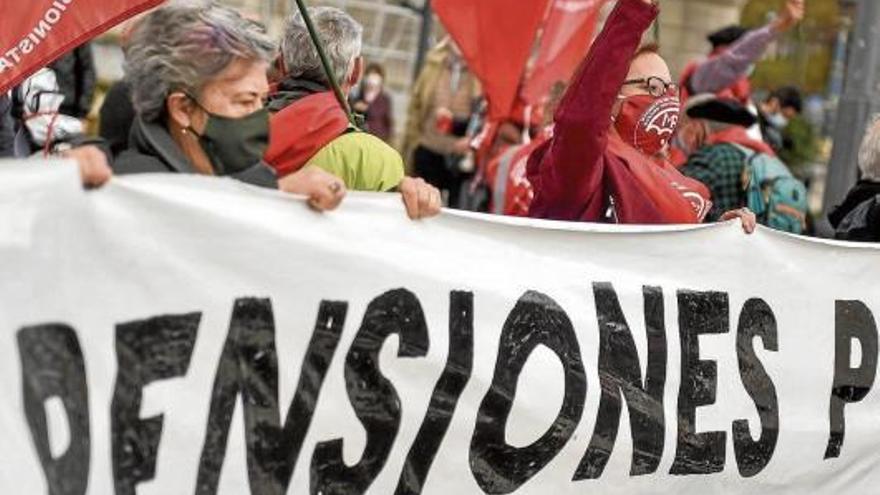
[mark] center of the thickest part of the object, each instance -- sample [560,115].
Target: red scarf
[739,135]
[678,199]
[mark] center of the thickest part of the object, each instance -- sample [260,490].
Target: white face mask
[373,81]
[777,120]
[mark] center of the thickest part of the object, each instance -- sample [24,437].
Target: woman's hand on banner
[422,200]
[324,190]
[746,216]
[93,166]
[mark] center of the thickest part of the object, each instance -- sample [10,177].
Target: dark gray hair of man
[869,152]
[183,46]
[342,37]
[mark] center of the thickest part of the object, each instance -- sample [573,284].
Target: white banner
[176,335]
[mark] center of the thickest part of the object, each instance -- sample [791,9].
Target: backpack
[778,199]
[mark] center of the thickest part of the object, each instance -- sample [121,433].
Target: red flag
[567,34]
[33,33]
[496,38]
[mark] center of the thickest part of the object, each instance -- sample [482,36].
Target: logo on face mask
[647,123]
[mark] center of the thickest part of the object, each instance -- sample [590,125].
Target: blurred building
[392,29]
[684,25]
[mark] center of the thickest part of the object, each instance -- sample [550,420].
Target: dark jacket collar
[153,139]
[291,90]
[863,191]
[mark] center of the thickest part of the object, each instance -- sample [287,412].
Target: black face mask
[235,145]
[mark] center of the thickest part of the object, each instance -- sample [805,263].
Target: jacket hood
[301,128]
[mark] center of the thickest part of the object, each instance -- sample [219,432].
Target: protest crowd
[622,140]
[596,128]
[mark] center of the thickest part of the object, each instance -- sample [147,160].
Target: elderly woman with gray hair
[858,218]
[198,79]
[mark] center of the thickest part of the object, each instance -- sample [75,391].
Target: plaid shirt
[720,167]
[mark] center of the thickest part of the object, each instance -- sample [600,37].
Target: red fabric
[739,135]
[496,41]
[585,165]
[733,135]
[518,193]
[568,30]
[301,129]
[648,123]
[35,33]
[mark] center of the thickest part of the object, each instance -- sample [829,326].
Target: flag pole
[325,63]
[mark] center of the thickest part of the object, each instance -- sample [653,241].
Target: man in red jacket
[606,160]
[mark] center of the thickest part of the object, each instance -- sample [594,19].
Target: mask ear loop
[190,128]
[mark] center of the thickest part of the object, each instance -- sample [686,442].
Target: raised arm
[720,72]
[569,172]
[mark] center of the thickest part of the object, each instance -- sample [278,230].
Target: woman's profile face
[238,91]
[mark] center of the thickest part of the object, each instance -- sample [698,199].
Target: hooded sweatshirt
[586,171]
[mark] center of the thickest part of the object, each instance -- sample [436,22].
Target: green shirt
[363,161]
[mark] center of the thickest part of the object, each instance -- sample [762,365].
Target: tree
[803,57]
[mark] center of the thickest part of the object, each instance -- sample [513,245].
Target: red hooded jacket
[301,129]
[586,172]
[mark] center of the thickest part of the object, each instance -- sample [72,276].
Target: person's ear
[357,72]
[180,110]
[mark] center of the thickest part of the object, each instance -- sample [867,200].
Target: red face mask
[648,123]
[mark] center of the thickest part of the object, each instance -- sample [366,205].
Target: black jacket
[858,218]
[7,128]
[76,79]
[117,115]
[152,150]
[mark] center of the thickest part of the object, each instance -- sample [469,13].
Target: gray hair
[342,37]
[869,153]
[182,46]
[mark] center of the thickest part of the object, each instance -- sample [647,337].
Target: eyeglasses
[655,86]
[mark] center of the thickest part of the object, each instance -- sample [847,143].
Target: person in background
[787,131]
[735,51]
[441,106]
[858,217]
[310,128]
[605,161]
[198,78]
[117,113]
[719,142]
[512,193]
[7,127]
[75,73]
[43,128]
[117,117]
[371,100]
